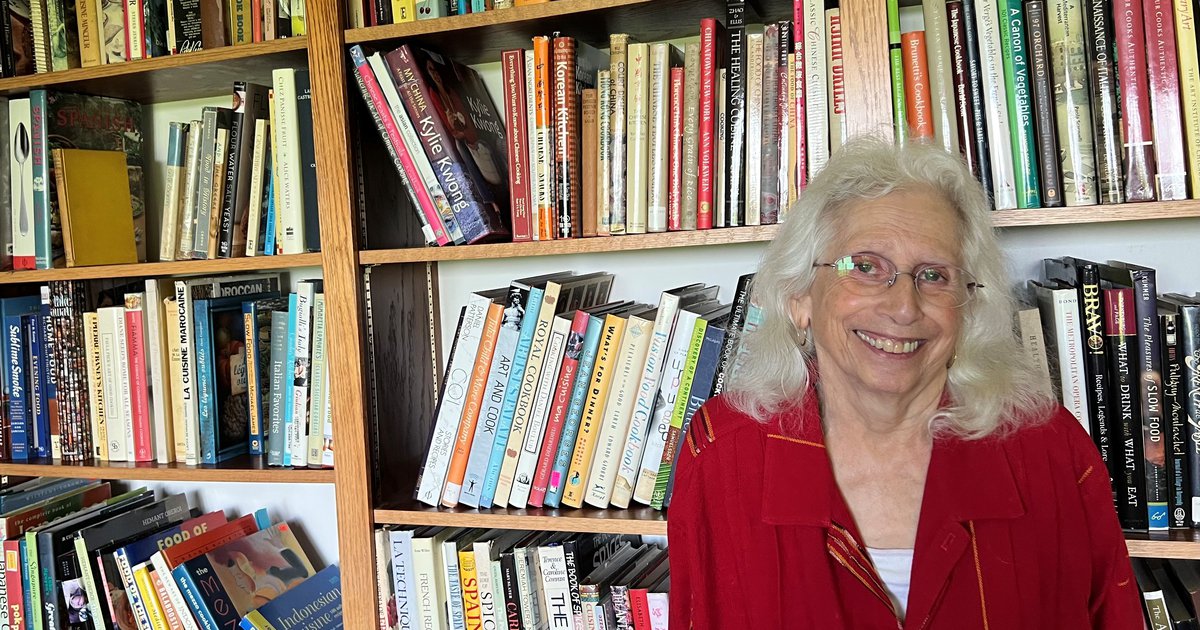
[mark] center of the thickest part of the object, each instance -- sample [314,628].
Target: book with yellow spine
[468,577]
[1189,88]
[593,409]
[141,577]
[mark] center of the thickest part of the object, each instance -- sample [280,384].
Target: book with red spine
[785,83]
[512,64]
[710,47]
[917,96]
[798,101]
[1171,183]
[1140,167]
[139,392]
[558,408]
[12,578]
[543,179]
[675,153]
[394,142]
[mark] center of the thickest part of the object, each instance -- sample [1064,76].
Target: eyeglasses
[938,285]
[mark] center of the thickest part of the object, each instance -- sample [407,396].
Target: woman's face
[909,228]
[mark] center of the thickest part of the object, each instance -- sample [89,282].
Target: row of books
[362,13]
[445,578]
[78,553]
[1170,592]
[242,181]
[1119,356]
[1042,108]
[555,396]
[54,35]
[194,371]
[36,189]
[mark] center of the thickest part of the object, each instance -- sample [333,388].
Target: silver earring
[801,337]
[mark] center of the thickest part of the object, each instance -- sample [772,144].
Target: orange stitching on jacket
[842,561]
[1086,473]
[1123,582]
[796,440]
[692,445]
[708,425]
[979,575]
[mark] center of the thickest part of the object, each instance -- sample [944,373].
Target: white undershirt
[894,567]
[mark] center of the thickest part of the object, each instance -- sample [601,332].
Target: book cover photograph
[258,568]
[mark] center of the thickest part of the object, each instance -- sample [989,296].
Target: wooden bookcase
[408,276]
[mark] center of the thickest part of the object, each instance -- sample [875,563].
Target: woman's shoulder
[719,422]
[1056,436]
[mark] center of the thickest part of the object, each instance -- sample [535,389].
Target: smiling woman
[907,466]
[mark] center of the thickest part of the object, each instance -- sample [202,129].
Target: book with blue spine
[275,423]
[504,425]
[35,406]
[49,379]
[562,458]
[14,361]
[8,307]
[319,597]
[205,394]
[257,317]
[13,502]
[268,238]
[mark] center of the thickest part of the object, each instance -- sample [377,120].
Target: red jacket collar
[967,479]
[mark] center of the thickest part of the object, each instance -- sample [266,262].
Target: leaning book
[316,604]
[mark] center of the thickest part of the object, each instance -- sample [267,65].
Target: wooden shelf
[1098,214]
[597,245]
[479,37]
[176,268]
[244,469]
[173,78]
[1176,543]
[639,520]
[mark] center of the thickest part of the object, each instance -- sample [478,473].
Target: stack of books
[1170,591]
[195,371]
[555,396]
[242,181]
[362,13]
[1040,105]
[446,577]
[54,35]
[78,553]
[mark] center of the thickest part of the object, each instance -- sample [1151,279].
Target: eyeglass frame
[971,287]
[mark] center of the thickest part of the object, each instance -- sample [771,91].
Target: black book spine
[1121,328]
[308,161]
[185,15]
[733,331]
[1098,38]
[735,117]
[7,68]
[975,74]
[1149,366]
[1095,357]
[963,113]
[1043,104]
[154,15]
[1178,492]
[1189,350]
[512,599]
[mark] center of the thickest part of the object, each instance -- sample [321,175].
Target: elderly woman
[882,457]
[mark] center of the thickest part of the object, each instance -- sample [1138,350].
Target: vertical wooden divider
[344,310]
[868,73]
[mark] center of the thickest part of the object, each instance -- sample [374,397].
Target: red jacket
[1017,532]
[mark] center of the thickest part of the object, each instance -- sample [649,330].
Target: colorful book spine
[513,65]
[604,143]
[1140,167]
[1020,104]
[975,85]
[691,135]
[1073,103]
[1004,193]
[768,173]
[1106,113]
[658,120]
[706,159]
[1171,184]
[896,61]
[579,393]
[17,412]
[618,51]
[139,388]
[589,153]
[675,142]
[735,112]
[567,201]
[671,449]
[472,405]
[1189,87]
[637,138]
[543,139]
[564,387]
[963,112]
[589,423]
[206,387]
[1041,86]
[916,87]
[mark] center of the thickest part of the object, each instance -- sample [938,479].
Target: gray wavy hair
[992,387]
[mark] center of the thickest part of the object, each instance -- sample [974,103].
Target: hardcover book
[93,203]
[318,599]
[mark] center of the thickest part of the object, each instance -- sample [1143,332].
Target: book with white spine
[941,75]
[637,139]
[258,172]
[614,428]
[177,139]
[191,180]
[298,419]
[531,124]
[115,378]
[1004,183]
[754,127]
[289,204]
[816,96]
[531,447]
[451,399]
[156,363]
[661,57]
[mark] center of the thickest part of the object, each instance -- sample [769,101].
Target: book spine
[543,138]
[563,389]
[691,135]
[513,64]
[43,204]
[1020,105]
[637,130]
[535,432]
[916,87]
[754,127]
[233,166]
[963,113]
[489,415]
[35,404]
[204,188]
[1189,333]
[896,64]
[700,391]
[1004,194]
[1121,327]
[570,431]
[1073,104]
[566,201]
[1171,183]
[623,392]
[816,109]
[15,342]
[619,75]
[191,592]
[142,433]
[176,148]
[1137,134]
[258,176]
[735,108]
[734,328]
[1149,365]
[975,87]
[473,403]
[678,416]
[136,603]
[275,427]
[206,393]
[657,141]
[706,159]
[1178,491]
[318,384]
[941,74]
[590,423]
[1106,113]
[589,154]
[604,143]
[720,217]
[289,200]
[191,179]
[1096,362]
[675,184]
[21,172]
[90,51]
[1043,104]
[473,206]
[183,300]
[299,425]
